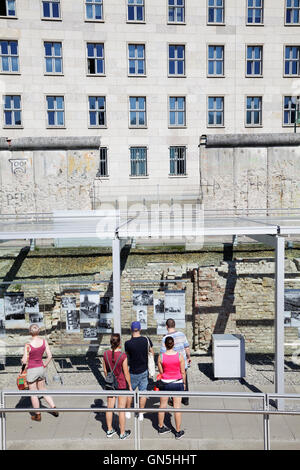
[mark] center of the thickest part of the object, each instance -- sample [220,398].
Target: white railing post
[266,419]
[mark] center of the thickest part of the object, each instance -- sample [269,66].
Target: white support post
[116,248]
[279,320]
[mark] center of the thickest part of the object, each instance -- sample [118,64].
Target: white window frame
[13,17]
[96,74]
[216,7]
[55,110]
[215,110]
[137,111]
[255,8]
[51,17]
[215,60]
[94,4]
[97,111]
[13,111]
[138,160]
[176,111]
[291,8]
[178,160]
[176,60]
[252,110]
[9,56]
[175,7]
[53,57]
[291,60]
[136,59]
[289,109]
[253,60]
[135,5]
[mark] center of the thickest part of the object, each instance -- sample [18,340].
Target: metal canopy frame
[119,226]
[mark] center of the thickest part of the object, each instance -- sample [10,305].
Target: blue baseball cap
[135,325]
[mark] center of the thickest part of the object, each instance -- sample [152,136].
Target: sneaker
[127,415]
[141,416]
[125,435]
[179,434]
[185,401]
[163,430]
[111,433]
[170,401]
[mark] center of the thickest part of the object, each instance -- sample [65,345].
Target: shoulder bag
[151,363]
[111,382]
[22,383]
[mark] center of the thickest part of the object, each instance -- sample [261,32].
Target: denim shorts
[139,381]
[173,386]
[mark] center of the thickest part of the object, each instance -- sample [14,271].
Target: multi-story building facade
[148,78]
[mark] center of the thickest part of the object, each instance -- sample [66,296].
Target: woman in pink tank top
[171,366]
[33,357]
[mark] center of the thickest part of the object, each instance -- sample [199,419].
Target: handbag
[111,382]
[151,363]
[22,383]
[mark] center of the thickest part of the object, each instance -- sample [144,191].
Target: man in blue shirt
[181,345]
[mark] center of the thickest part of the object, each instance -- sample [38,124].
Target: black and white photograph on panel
[32,305]
[292,300]
[14,308]
[37,318]
[105,323]
[142,297]
[287,319]
[159,307]
[295,319]
[89,333]
[161,324]
[2,327]
[175,304]
[72,321]
[106,305]
[2,316]
[142,316]
[89,305]
[68,302]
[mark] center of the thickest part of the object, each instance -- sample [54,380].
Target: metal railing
[265,412]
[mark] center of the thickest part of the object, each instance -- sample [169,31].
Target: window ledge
[215,76]
[292,24]
[254,76]
[9,18]
[215,127]
[97,127]
[179,23]
[99,177]
[178,176]
[135,22]
[96,75]
[13,127]
[94,21]
[51,19]
[55,127]
[216,24]
[257,24]
[253,126]
[138,177]
[178,127]
[176,76]
[49,74]
[10,73]
[136,76]
[137,127]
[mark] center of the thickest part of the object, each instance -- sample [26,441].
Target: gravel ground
[78,371]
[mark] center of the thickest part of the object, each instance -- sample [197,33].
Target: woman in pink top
[36,368]
[171,366]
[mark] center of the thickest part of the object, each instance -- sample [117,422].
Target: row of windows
[51,9]
[53,59]
[138,161]
[55,110]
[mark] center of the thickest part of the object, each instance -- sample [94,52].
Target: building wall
[115,32]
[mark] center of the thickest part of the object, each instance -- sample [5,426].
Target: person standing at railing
[116,361]
[181,345]
[171,366]
[36,369]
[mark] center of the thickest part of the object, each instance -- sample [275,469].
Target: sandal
[55,413]
[36,417]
